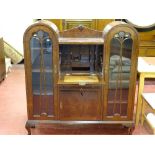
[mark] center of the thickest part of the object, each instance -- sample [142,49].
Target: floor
[13,114]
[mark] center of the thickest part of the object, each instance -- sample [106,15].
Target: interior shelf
[36,91]
[38,48]
[37,70]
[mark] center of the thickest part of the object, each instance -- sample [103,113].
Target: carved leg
[130,130]
[28,127]
[32,125]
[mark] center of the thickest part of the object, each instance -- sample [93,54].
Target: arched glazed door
[41,68]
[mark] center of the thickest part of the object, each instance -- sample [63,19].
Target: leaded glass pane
[119,74]
[42,77]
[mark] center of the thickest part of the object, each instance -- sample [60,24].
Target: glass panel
[42,78]
[119,74]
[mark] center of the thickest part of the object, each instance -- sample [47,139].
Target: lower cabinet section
[80,103]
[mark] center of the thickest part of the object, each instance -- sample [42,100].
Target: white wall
[142,21]
[12,31]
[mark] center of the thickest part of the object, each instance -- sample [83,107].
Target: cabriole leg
[28,128]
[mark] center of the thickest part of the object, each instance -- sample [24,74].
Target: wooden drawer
[147,52]
[80,103]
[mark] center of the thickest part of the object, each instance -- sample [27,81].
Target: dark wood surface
[110,129]
[80,104]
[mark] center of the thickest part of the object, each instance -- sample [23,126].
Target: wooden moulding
[81,35]
[81,32]
[81,41]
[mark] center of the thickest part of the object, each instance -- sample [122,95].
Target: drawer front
[80,103]
[147,52]
[142,51]
[150,52]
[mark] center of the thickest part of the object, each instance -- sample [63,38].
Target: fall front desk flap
[73,78]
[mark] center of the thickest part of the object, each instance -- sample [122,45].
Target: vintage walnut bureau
[80,76]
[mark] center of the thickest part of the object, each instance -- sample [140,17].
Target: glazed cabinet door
[41,73]
[120,75]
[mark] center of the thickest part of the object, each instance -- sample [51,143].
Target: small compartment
[81,58]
